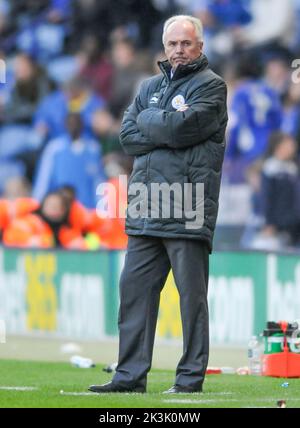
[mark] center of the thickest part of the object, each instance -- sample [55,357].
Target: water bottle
[254,356]
[111,368]
[81,362]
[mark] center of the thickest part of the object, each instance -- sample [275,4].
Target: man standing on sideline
[175,129]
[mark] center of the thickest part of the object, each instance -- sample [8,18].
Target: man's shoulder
[208,76]
[152,81]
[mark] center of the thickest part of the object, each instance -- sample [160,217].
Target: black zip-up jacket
[176,147]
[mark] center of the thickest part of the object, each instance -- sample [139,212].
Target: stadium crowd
[71,69]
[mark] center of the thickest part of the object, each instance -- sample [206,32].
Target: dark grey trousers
[147,265]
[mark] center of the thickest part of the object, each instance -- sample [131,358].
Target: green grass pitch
[41,385]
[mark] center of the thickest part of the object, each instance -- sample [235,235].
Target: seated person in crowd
[105,226]
[10,209]
[45,227]
[30,86]
[85,229]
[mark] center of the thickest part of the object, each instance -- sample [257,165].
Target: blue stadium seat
[14,140]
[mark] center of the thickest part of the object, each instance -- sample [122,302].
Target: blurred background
[72,67]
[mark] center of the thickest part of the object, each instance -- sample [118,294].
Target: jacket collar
[183,70]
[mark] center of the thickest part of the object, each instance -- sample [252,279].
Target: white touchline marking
[79,393]
[93,393]
[218,393]
[256,407]
[192,401]
[205,394]
[18,388]
[218,400]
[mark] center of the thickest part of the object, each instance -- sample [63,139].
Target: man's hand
[183,107]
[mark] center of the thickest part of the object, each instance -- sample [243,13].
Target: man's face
[181,43]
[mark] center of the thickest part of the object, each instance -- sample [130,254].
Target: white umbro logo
[154,99]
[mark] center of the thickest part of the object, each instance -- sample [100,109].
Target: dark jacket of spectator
[280,194]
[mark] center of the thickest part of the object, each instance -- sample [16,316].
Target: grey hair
[195,21]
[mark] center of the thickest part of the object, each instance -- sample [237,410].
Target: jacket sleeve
[131,138]
[205,115]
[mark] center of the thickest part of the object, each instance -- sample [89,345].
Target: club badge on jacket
[178,101]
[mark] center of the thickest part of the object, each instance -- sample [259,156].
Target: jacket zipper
[159,105]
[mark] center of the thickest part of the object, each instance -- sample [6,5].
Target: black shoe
[112,387]
[177,389]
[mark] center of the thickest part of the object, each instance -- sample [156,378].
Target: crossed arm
[144,130]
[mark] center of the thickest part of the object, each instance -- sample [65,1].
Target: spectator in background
[79,216]
[26,9]
[46,227]
[255,112]
[106,128]
[254,220]
[59,10]
[291,113]
[82,229]
[92,17]
[280,195]
[26,85]
[277,71]
[105,231]
[95,66]
[16,187]
[15,201]
[296,37]
[40,27]
[81,220]
[4,16]
[272,25]
[71,159]
[135,17]
[75,97]
[126,76]
[221,19]
[115,161]
[29,88]
[108,220]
